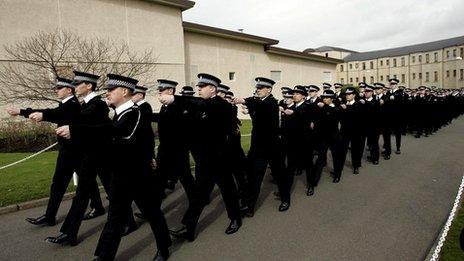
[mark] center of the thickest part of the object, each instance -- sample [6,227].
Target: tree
[34,63]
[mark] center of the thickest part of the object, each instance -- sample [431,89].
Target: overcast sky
[360,25]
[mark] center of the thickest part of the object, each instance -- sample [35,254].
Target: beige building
[183,49]
[439,63]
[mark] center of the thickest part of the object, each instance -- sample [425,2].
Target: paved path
[393,211]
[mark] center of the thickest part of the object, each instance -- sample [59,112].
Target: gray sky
[361,25]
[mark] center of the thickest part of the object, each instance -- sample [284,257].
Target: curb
[36,203]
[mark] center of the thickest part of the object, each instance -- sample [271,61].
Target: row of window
[403,61]
[413,75]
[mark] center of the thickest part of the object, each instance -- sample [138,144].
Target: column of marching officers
[290,136]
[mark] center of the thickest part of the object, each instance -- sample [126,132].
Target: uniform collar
[298,104]
[67,98]
[128,104]
[89,97]
[370,99]
[141,102]
[350,102]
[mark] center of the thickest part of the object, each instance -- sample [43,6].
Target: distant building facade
[439,63]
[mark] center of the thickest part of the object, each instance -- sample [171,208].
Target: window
[351,80]
[420,58]
[403,78]
[342,81]
[327,76]
[372,79]
[454,52]
[435,76]
[427,76]
[447,54]
[394,76]
[356,65]
[351,66]
[461,74]
[402,61]
[381,62]
[447,73]
[231,76]
[427,58]
[454,73]
[364,78]
[413,59]
[341,68]
[413,76]
[381,78]
[435,57]
[326,54]
[276,76]
[387,62]
[462,53]
[364,66]
[420,76]
[372,65]
[357,79]
[394,62]
[388,77]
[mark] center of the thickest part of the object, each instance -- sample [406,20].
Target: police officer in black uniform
[132,161]
[372,126]
[215,122]
[67,161]
[350,130]
[265,145]
[93,149]
[173,150]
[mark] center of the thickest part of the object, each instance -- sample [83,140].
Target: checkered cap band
[205,81]
[119,83]
[64,84]
[262,83]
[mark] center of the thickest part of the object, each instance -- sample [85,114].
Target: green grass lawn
[31,179]
[451,250]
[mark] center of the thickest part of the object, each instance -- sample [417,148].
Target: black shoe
[356,171]
[234,226]
[284,206]
[310,191]
[247,212]
[161,255]
[336,180]
[93,213]
[129,229]
[184,233]
[62,239]
[398,152]
[139,215]
[375,162]
[386,157]
[42,220]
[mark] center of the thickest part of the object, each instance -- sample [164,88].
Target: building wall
[333,54]
[221,56]
[141,24]
[442,68]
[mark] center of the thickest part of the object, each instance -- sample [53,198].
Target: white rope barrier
[51,146]
[28,157]
[451,216]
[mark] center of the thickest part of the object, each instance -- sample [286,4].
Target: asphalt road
[393,211]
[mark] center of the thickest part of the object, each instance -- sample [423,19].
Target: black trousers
[237,161]
[373,143]
[127,186]
[386,134]
[258,159]
[355,140]
[87,188]
[174,164]
[398,131]
[324,144]
[211,168]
